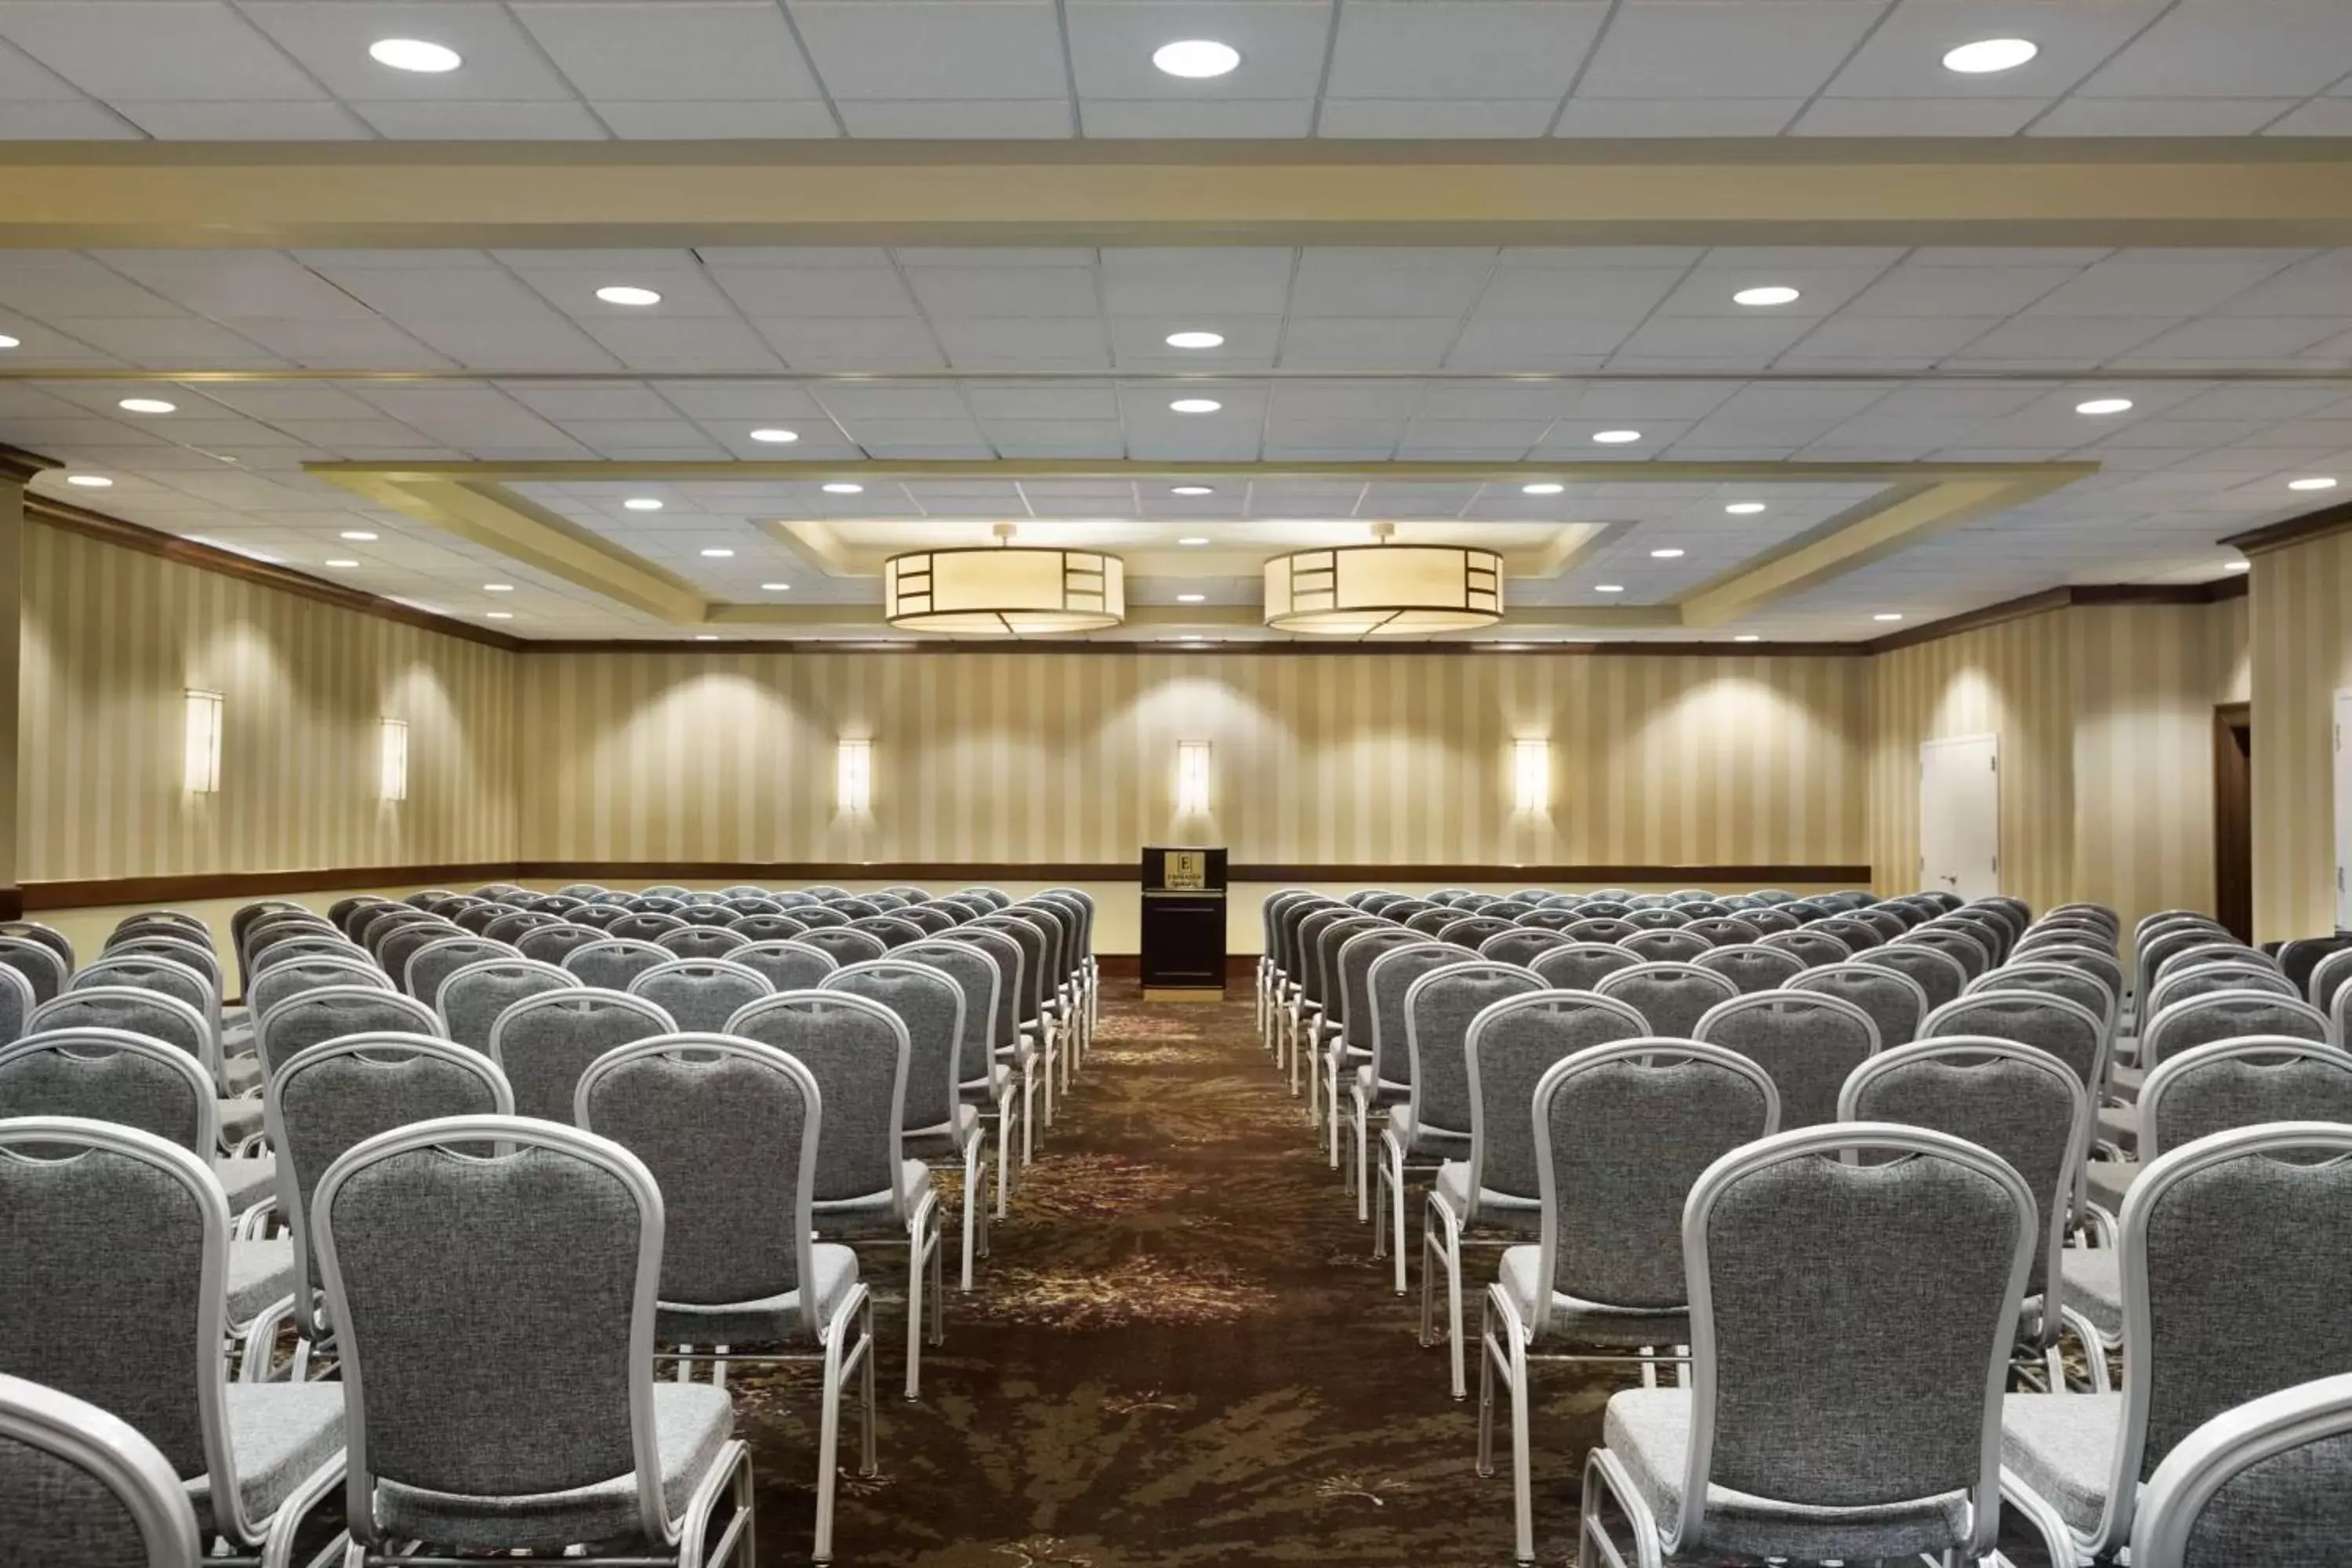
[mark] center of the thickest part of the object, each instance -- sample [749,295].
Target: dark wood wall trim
[188,888]
[2082,596]
[2336,519]
[1722,647]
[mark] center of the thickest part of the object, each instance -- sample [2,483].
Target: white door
[1960,815]
[2344,811]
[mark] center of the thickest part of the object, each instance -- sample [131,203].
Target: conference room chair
[701,994]
[1621,1134]
[2065,1028]
[612,963]
[299,973]
[958,1141]
[1969,948]
[1384,1080]
[554,943]
[1807,1043]
[764,927]
[1812,948]
[2215,1233]
[1351,949]
[1328,1058]
[38,962]
[330,1012]
[1938,973]
[1852,929]
[715,913]
[80,1489]
[1907,1269]
[470,999]
[1518,945]
[115,1293]
[1494,1194]
[434,963]
[1007,1089]
[159,1017]
[1672,996]
[563,1244]
[816,917]
[1580,965]
[1037,1031]
[2021,973]
[1894,1001]
[845,942]
[2267,1482]
[323,944]
[1752,967]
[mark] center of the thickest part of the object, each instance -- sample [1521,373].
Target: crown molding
[2311,525]
[2084,596]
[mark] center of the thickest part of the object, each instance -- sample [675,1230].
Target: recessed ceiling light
[2237,566]
[1745,507]
[716,554]
[706,636]
[2317,484]
[415,55]
[1667,554]
[357,536]
[1770,294]
[339,564]
[1195,405]
[1748,636]
[1616,437]
[1189,598]
[1542,487]
[643,503]
[1609,587]
[1989,55]
[9,342]
[774,436]
[1193,539]
[90,482]
[146,405]
[627,294]
[1887,616]
[498,614]
[1196,59]
[776,587]
[1191,489]
[843,487]
[1196,340]
[2104,406]
[497,588]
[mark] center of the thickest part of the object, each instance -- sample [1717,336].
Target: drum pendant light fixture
[1384,589]
[1004,590]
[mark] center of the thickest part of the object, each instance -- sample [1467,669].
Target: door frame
[2234,881]
[1999,854]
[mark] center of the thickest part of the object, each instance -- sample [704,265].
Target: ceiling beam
[2240,190]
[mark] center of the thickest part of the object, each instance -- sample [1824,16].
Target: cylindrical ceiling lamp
[1009,590]
[1384,589]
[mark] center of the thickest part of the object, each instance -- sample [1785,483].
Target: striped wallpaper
[113,638]
[1330,759]
[2302,622]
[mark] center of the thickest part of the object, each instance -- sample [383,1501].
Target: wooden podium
[1183,925]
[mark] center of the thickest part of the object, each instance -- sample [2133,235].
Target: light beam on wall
[1531,775]
[1192,778]
[853,777]
[393,759]
[201,745]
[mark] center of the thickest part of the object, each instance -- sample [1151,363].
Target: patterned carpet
[1181,1352]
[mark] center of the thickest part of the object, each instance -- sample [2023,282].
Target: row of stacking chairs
[835,1057]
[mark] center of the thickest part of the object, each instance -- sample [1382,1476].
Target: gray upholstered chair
[1894,1000]
[1752,967]
[330,1012]
[1621,1132]
[845,944]
[2221,974]
[1897,1254]
[434,963]
[2229,1016]
[2068,1029]
[115,1292]
[866,1189]
[2079,985]
[1668,945]
[1970,946]
[1813,948]
[1939,976]
[309,972]
[1580,965]
[1432,1124]
[701,994]
[39,963]
[79,1488]
[170,977]
[1385,1079]
[1808,1042]
[612,963]
[1521,944]
[1007,1087]
[2226,1299]
[553,944]
[959,1139]
[543,1043]
[159,1017]
[470,1000]
[789,963]
[1348,954]
[1038,1030]
[2268,1481]
[1494,1194]
[562,1237]
[1673,996]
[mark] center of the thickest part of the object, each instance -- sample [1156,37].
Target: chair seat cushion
[259,1272]
[2119,1125]
[241,1072]
[2108,1180]
[240,1118]
[2063,1445]
[1649,1431]
[279,1434]
[1574,1321]
[1425,1142]
[1500,1210]
[772,1320]
[990,1089]
[247,1181]
[946,1141]
[1387,1091]
[2094,1277]
[693,1421]
[877,1214]
[2126,1082]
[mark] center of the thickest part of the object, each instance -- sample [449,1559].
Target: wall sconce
[1531,775]
[853,777]
[393,759]
[201,745]
[1192,778]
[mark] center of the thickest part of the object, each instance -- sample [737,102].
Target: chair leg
[1522,1479]
[867,1463]
[1396,1213]
[1489,1352]
[1331,1104]
[918,1266]
[1004,1148]
[1315,1084]
[1381,1205]
[1028,1113]
[828,1445]
[975,1166]
[1363,1164]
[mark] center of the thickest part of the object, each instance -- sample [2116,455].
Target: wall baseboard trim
[100,892]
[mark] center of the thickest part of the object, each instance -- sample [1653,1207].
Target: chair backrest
[857,1050]
[977,975]
[394,948]
[1012,961]
[1752,966]
[199,955]
[1815,948]
[1938,973]
[553,944]
[112,1075]
[1438,1009]
[434,963]
[2327,979]
[1668,946]
[2213,1088]
[544,1042]
[1673,996]
[1388,980]
[730,1129]
[1910,1260]
[1623,1132]
[562,1235]
[2197,955]
[1508,1049]
[331,1011]
[1650,913]
[1306,941]
[1358,1015]
[2268,1481]
[703,942]
[1472,930]
[711,914]
[1967,947]
[2077,985]
[1854,932]
[845,944]
[789,963]
[2212,1232]
[1330,983]
[310,973]
[1896,1004]
[1579,965]
[166,976]
[338,1094]
[1806,1041]
[646,926]
[930,1004]
[2023,1103]
[296,948]
[2068,1030]
[701,994]
[38,962]
[2229,1016]
[1724,929]
[470,1000]
[612,963]
[80,1489]
[136,1009]
[776,927]
[2223,974]
[114,1289]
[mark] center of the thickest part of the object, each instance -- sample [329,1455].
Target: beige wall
[112,639]
[1326,760]
[2302,622]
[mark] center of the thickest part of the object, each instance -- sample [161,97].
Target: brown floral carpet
[1180,1352]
